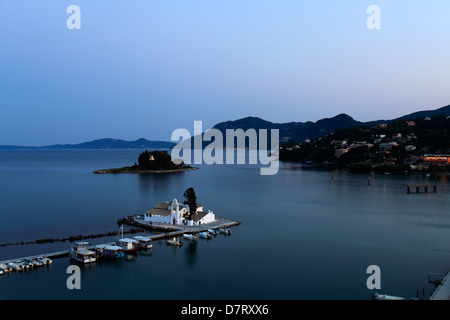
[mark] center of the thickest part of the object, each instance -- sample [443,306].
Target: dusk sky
[145,68]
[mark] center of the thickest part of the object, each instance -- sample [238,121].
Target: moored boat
[205,235]
[225,231]
[212,232]
[5,267]
[143,242]
[45,260]
[175,242]
[37,263]
[189,236]
[128,245]
[15,266]
[79,252]
[26,264]
[113,252]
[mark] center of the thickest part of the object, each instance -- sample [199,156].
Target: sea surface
[302,235]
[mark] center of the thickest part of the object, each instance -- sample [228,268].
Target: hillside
[399,146]
[107,143]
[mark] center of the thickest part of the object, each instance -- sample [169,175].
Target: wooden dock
[421,188]
[219,223]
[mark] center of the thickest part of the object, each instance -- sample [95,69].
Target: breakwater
[73,238]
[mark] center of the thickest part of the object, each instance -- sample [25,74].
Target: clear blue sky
[143,68]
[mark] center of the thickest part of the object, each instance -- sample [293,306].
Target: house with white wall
[175,213]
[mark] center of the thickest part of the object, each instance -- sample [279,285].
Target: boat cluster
[24,264]
[81,253]
[204,235]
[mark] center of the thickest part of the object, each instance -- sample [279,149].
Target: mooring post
[434,188]
[426,188]
[408,189]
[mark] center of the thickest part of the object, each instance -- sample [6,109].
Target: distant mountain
[107,143]
[300,131]
[297,131]
[427,113]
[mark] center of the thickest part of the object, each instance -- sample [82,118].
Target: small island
[151,162]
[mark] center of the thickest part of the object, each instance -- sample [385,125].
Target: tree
[190,200]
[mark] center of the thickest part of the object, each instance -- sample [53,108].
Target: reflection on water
[191,253]
[303,235]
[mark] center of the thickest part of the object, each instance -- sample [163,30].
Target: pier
[442,292]
[421,188]
[172,231]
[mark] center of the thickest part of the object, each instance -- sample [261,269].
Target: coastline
[127,170]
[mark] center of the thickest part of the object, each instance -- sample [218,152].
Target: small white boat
[378,296]
[1,271]
[45,260]
[5,267]
[15,266]
[189,236]
[225,231]
[143,242]
[26,264]
[213,232]
[79,252]
[37,263]
[175,242]
[205,235]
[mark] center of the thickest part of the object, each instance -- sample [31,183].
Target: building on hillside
[387,146]
[436,159]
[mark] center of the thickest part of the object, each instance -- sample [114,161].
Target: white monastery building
[176,213]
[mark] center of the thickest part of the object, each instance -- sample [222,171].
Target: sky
[143,68]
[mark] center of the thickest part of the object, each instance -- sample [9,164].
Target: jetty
[421,188]
[442,292]
[171,231]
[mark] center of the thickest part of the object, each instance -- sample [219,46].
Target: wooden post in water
[434,188]
[426,188]
[408,189]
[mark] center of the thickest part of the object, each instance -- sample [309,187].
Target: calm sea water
[302,236]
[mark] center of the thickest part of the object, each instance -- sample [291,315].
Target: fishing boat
[189,236]
[143,242]
[175,242]
[5,267]
[128,245]
[113,252]
[79,252]
[225,231]
[213,232]
[205,235]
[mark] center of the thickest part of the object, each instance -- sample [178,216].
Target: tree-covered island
[151,162]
